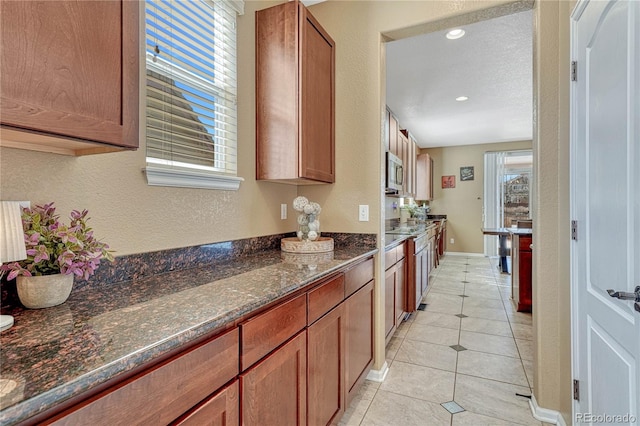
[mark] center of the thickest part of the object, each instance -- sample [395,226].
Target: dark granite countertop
[395,237]
[393,240]
[56,353]
[521,231]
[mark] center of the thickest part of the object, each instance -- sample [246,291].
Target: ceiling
[491,65]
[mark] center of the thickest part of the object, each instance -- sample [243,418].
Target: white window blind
[191,115]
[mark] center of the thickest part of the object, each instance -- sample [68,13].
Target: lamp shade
[12,245]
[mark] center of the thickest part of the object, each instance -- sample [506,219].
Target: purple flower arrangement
[55,248]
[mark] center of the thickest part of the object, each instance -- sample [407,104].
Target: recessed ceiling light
[462,98]
[455,33]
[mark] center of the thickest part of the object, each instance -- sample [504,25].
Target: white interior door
[606,204]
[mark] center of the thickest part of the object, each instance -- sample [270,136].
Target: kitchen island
[54,358]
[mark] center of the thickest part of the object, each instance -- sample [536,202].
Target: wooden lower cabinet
[325,364]
[359,338]
[299,362]
[389,302]
[394,298]
[400,291]
[522,257]
[222,409]
[274,391]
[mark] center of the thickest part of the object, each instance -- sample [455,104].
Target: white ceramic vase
[44,291]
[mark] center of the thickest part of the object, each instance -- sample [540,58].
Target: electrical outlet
[452,241]
[283,211]
[363,213]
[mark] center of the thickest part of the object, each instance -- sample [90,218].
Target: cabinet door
[393,135]
[70,68]
[222,409]
[325,350]
[359,338]
[524,302]
[389,301]
[411,167]
[400,291]
[404,155]
[419,271]
[274,391]
[424,179]
[317,131]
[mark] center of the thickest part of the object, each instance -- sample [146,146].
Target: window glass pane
[191,85]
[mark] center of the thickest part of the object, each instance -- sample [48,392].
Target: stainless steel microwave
[394,174]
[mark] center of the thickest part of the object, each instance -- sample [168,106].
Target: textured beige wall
[360,99]
[463,204]
[551,260]
[356,27]
[134,217]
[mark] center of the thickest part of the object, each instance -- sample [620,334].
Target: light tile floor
[490,378]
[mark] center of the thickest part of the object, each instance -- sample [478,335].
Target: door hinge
[574,70]
[574,230]
[576,390]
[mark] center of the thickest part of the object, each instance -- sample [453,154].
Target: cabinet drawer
[162,394]
[358,276]
[400,252]
[265,332]
[324,297]
[390,258]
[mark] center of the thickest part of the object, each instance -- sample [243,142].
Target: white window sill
[161,176]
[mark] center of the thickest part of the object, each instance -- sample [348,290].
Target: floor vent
[458,348]
[422,306]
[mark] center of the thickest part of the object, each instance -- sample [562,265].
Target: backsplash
[136,266]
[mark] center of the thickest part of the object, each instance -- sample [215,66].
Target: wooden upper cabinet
[69,75]
[424,177]
[413,152]
[393,135]
[403,153]
[295,97]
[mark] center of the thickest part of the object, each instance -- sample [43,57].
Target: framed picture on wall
[466,173]
[449,181]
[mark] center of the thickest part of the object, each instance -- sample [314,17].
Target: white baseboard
[544,414]
[458,253]
[378,375]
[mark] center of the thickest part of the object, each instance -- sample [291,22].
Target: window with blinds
[191,115]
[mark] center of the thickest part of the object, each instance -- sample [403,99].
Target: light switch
[363,213]
[283,211]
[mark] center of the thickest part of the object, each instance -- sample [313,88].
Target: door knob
[622,295]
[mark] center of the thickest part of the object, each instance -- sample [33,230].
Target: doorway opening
[507,193]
